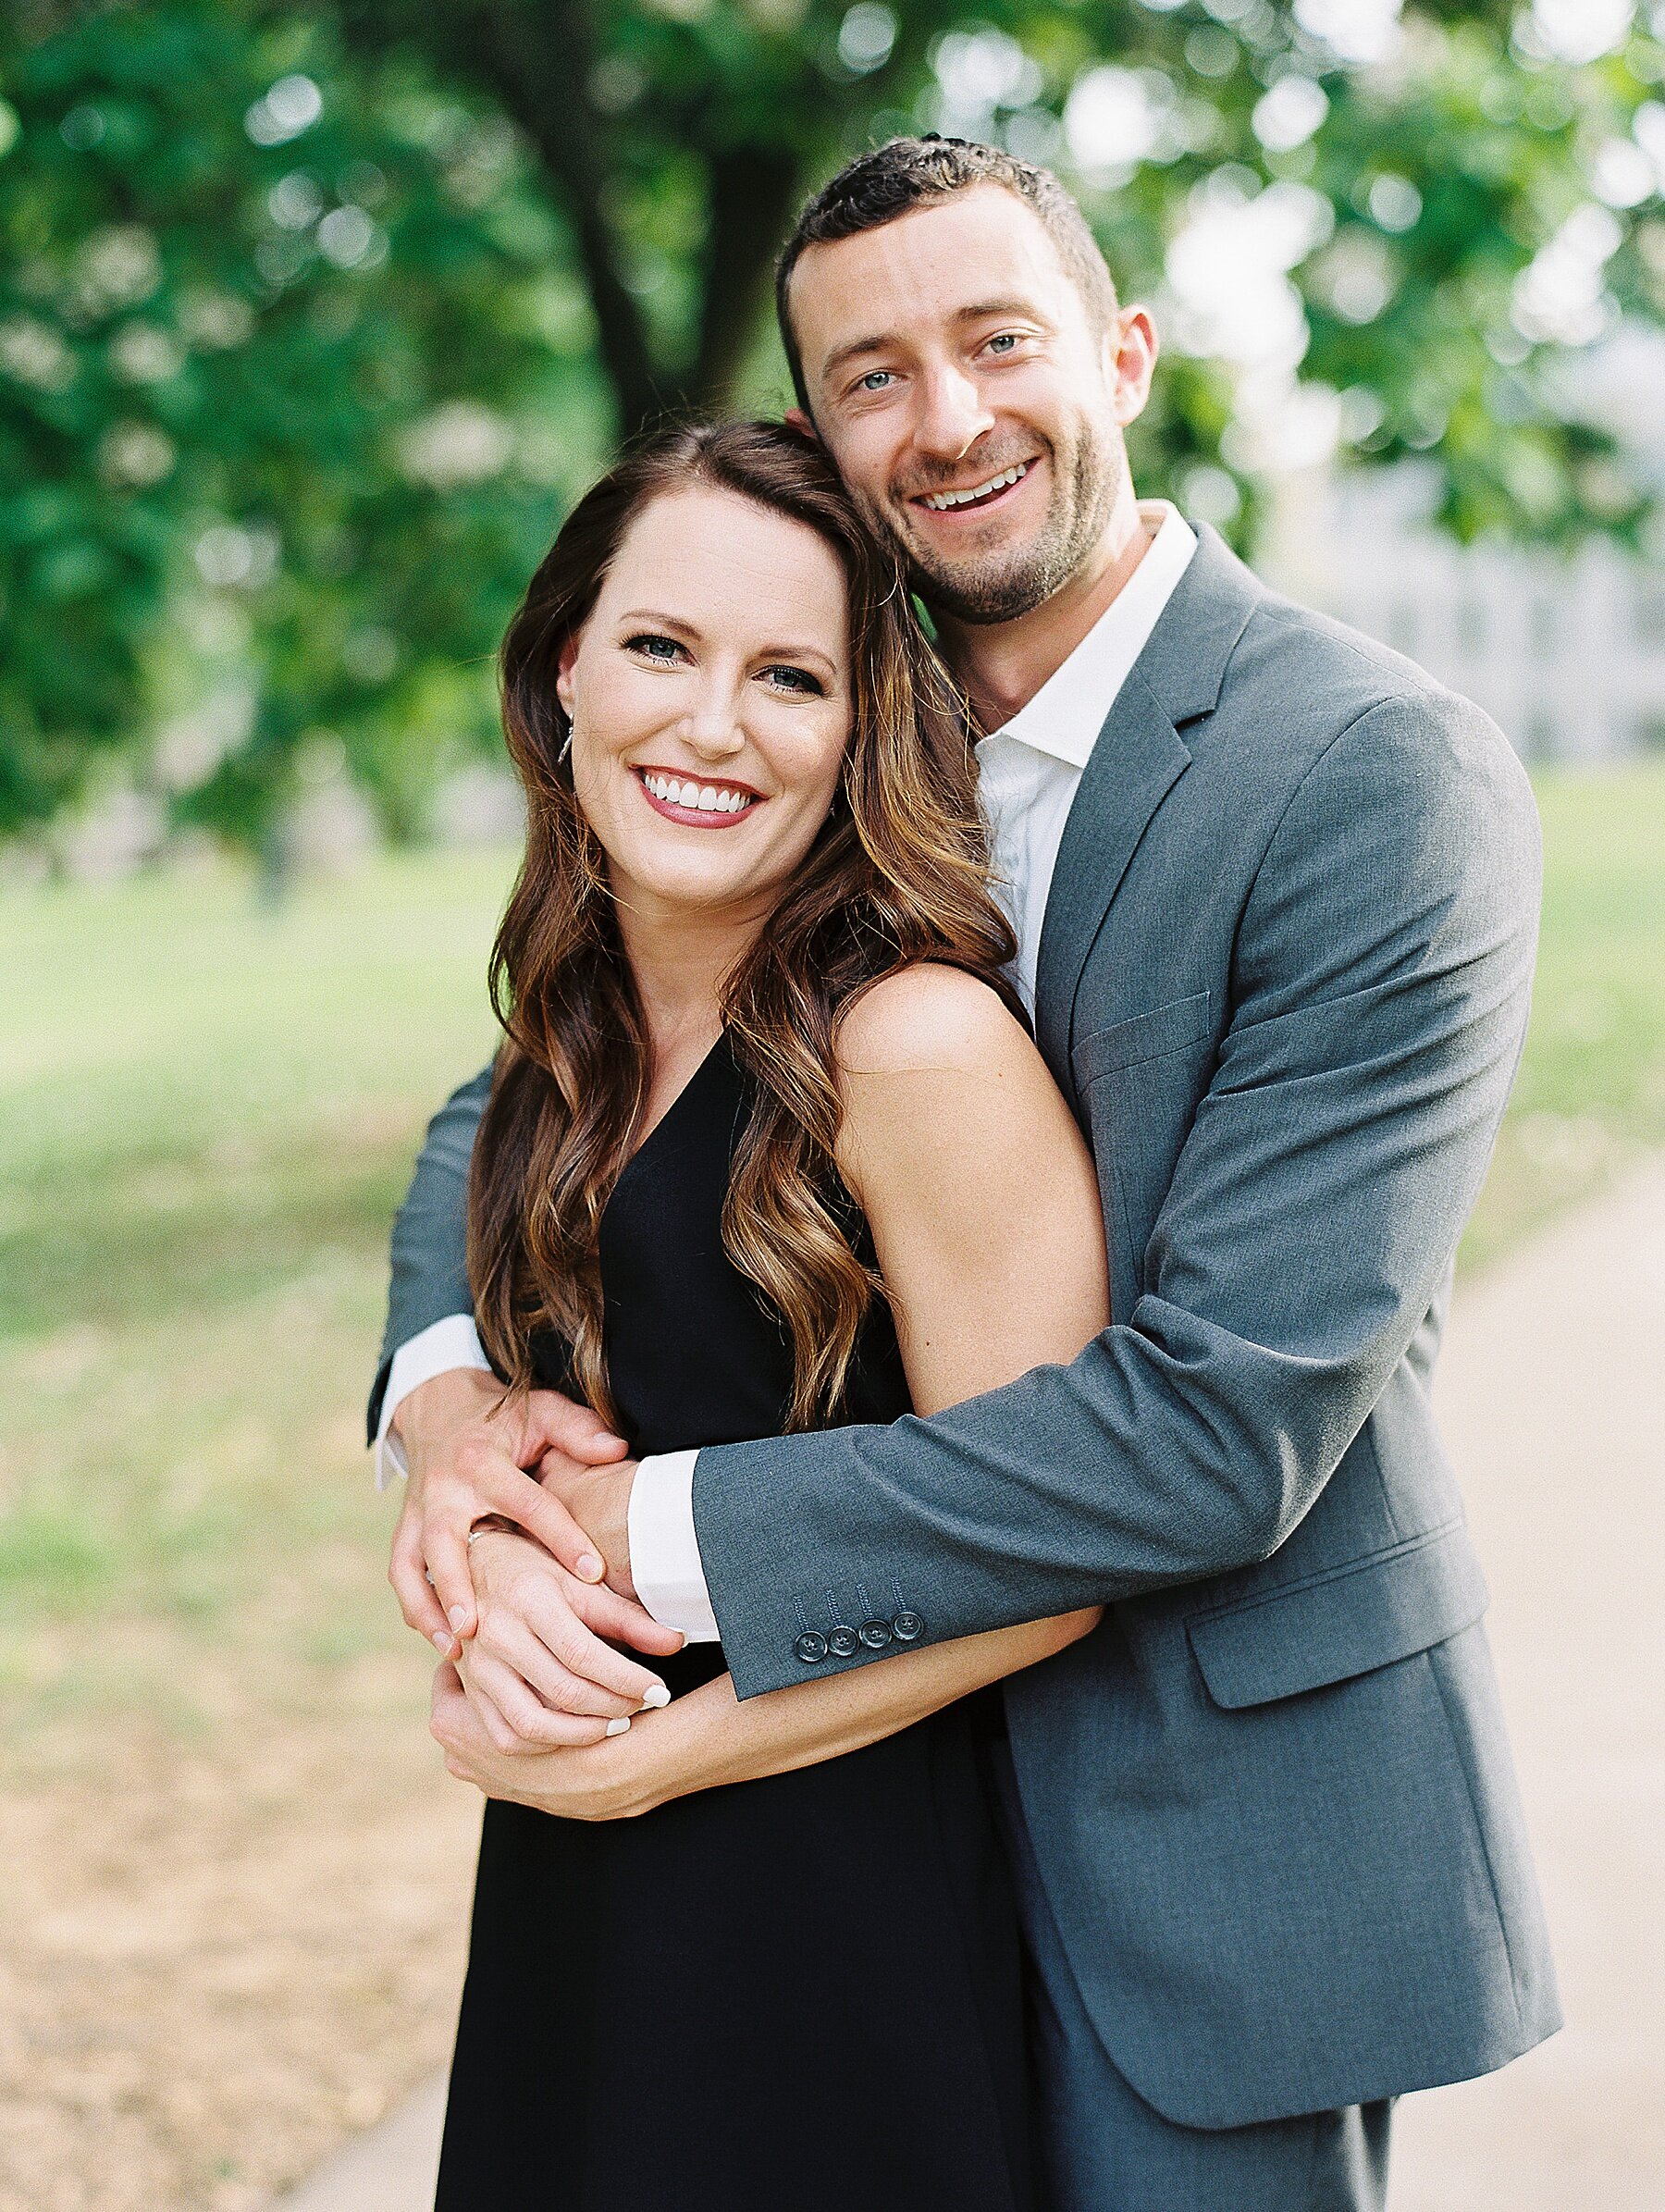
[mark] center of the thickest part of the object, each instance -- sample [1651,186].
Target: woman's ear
[565,689]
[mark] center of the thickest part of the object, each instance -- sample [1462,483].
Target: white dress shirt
[1027,773]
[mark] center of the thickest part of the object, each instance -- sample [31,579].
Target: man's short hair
[906,173]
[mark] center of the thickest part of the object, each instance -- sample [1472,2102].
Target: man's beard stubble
[1086,483]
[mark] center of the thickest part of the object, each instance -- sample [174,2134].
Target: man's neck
[1003,665]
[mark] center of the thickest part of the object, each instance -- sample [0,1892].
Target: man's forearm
[445,1348]
[1310,1221]
[428,1278]
[1072,1487]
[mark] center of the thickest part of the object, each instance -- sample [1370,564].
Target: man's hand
[607,1781]
[468,1453]
[535,1671]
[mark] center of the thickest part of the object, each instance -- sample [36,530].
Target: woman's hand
[535,1669]
[613,1780]
[468,1451]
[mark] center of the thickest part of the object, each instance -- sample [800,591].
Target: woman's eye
[787,678]
[662,649]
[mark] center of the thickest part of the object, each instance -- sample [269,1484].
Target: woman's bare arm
[977,1184]
[709,1737]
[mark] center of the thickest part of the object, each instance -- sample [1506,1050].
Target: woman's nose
[712,726]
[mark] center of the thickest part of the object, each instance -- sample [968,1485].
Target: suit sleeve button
[842,1641]
[909,1627]
[811,1647]
[875,1634]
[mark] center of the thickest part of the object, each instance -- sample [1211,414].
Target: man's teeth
[705,798]
[939,499]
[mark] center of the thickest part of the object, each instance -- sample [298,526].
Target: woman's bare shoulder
[942,1087]
[930,1019]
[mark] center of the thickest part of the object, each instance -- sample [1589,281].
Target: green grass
[207,1113]
[1591,1091]
[208,1110]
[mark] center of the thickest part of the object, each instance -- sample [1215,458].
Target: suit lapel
[1137,760]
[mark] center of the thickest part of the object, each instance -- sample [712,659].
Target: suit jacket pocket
[1344,1622]
[1146,1037]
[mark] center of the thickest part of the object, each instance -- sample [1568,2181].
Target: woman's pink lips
[696,818]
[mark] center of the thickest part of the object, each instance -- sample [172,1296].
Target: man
[1276,898]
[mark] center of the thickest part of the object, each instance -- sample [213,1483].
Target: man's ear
[1132,345]
[800,422]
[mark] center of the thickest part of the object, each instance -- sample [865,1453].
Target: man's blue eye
[1004,338]
[873,380]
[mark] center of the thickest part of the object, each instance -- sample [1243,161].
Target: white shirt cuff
[454,1343]
[664,1552]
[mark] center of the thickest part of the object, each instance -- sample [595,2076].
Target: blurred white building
[1568,656]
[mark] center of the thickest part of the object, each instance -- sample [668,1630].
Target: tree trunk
[535,66]
[753,197]
[540,83]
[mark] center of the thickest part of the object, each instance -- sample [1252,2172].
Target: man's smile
[976,498]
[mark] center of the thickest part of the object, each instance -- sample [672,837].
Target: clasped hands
[528,1625]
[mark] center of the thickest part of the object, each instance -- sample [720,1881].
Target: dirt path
[217,1962]
[1552,1394]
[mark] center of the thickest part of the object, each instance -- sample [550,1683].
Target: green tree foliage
[311,318]
[292,387]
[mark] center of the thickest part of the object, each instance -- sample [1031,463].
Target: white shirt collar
[1065,715]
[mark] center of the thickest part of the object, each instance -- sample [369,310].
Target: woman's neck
[679,957]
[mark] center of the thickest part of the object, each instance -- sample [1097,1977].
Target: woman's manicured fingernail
[456,1617]
[618,1727]
[442,1642]
[656,1695]
[589,1567]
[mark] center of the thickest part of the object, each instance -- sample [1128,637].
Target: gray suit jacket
[1283,979]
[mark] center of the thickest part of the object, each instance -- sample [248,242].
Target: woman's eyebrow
[800,652]
[664,620]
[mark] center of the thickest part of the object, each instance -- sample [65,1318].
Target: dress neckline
[671,1113]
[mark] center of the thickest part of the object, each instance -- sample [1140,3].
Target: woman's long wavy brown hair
[897,873]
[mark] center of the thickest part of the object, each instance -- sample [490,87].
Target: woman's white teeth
[704,799]
[940,499]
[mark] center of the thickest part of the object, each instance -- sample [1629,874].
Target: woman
[766,1148]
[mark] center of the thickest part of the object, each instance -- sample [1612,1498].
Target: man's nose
[955,415]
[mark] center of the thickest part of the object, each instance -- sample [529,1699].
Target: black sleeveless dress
[796,1994]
